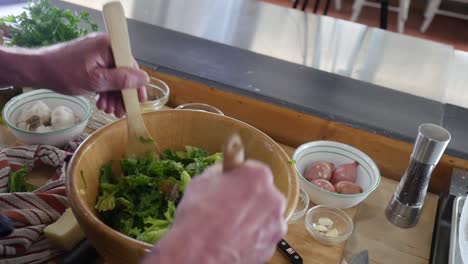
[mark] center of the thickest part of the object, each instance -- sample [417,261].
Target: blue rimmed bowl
[78,104]
[368,174]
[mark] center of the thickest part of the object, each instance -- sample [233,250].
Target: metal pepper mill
[405,206]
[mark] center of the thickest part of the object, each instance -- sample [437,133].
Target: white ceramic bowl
[78,104]
[368,174]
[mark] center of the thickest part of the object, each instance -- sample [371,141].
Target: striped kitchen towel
[31,212]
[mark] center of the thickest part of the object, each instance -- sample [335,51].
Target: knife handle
[84,252]
[289,252]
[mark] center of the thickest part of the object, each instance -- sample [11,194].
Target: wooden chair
[316,5]
[402,10]
[432,9]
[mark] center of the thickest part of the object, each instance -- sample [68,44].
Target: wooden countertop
[385,242]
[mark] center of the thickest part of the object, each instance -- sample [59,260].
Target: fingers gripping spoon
[139,141]
[233,157]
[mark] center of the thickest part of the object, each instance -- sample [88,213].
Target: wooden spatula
[140,141]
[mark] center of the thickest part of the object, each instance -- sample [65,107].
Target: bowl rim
[22,96]
[299,214]
[192,107]
[342,213]
[79,207]
[165,89]
[360,153]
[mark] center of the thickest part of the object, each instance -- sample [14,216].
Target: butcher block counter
[384,242]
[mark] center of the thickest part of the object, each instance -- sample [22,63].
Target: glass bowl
[157,93]
[340,220]
[301,208]
[200,107]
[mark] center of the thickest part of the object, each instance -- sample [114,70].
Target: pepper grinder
[405,206]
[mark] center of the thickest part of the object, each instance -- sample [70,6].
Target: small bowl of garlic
[46,117]
[328,225]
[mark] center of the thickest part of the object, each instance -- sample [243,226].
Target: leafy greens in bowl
[141,203]
[172,129]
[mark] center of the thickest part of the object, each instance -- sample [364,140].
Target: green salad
[141,203]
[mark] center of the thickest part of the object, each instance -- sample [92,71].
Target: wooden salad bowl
[173,129]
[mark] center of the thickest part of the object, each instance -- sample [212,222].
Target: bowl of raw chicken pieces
[335,174]
[46,117]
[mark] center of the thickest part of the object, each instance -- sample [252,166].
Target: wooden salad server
[139,141]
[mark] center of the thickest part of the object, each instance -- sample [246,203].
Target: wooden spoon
[233,153]
[139,141]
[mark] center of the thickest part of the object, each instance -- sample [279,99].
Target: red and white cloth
[31,212]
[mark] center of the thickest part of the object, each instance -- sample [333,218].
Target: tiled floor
[443,29]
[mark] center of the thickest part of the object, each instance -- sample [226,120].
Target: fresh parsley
[17,181]
[85,185]
[145,140]
[43,24]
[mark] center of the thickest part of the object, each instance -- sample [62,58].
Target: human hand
[87,65]
[233,217]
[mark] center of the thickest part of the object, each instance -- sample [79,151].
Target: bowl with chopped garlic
[328,225]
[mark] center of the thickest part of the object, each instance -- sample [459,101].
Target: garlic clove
[332,233]
[33,123]
[320,228]
[44,129]
[325,221]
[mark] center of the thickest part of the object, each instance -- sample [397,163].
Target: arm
[76,67]
[21,67]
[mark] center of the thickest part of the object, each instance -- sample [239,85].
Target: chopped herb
[84,180]
[293,162]
[145,140]
[17,181]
